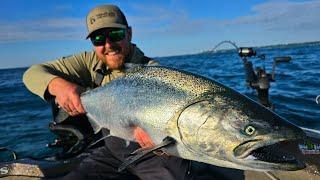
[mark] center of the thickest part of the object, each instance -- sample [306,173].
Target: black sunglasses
[114,35]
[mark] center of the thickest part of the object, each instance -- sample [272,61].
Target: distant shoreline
[309,43]
[229,49]
[292,44]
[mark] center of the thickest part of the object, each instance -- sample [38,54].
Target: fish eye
[250,130]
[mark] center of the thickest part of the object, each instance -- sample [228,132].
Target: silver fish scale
[148,95]
[183,81]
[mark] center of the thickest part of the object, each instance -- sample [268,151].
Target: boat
[53,167]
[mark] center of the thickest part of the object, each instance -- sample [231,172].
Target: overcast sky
[35,31]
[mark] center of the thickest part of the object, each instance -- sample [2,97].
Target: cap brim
[110,25]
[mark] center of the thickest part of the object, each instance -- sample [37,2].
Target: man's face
[112,46]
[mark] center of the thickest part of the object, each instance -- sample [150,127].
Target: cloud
[274,17]
[42,29]
[283,16]
[154,19]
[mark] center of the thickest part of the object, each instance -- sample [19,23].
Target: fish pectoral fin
[140,153]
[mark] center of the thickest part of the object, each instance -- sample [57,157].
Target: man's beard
[115,62]
[114,57]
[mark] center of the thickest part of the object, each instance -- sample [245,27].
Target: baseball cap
[105,16]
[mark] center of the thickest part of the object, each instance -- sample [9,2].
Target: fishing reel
[259,79]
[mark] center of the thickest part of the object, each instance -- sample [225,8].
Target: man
[64,79]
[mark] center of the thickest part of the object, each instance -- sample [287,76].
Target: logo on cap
[106,14]
[92,20]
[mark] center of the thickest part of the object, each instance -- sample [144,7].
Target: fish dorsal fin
[131,65]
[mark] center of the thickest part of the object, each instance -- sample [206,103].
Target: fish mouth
[273,155]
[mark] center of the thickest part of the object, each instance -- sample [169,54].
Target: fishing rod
[258,78]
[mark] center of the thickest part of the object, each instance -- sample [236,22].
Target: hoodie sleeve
[76,68]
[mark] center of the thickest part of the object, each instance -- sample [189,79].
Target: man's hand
[67,95]
[142,138]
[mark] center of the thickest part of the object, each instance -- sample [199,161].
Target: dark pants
[103,164]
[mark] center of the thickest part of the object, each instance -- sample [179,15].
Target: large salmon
[210,122]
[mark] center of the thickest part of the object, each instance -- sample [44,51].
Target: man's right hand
[67,95]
